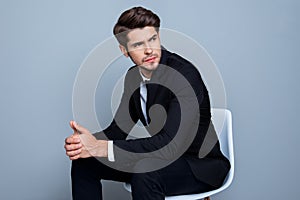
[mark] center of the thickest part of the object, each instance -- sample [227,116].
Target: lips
[150,59]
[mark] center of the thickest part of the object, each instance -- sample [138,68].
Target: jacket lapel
[156,81]
[135,88]
[152,86]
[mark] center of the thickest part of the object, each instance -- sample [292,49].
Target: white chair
[222,121]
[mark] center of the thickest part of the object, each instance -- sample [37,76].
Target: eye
[138,44]
[153,39]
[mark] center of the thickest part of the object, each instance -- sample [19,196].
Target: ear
[124,50]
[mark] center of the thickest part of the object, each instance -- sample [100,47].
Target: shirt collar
[143,77]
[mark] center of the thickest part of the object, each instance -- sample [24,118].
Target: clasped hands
[82,144]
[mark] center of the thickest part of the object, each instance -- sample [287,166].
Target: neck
[146,73]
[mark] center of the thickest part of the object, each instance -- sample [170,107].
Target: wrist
[101,148]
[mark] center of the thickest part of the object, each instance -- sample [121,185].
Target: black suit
[180,90]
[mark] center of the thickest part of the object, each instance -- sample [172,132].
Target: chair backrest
[222,121]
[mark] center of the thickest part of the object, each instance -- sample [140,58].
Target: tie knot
[144,82]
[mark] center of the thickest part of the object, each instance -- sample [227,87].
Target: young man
[170,162]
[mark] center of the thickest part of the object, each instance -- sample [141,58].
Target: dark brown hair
[136,17]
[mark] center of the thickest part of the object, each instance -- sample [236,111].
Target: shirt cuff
[110,151]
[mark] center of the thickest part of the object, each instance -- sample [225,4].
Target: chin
[151,67]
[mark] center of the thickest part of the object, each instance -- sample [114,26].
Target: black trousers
[175,179]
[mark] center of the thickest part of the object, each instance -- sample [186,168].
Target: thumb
[72,125]
[78,128]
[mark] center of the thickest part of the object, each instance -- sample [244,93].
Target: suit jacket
[177,130]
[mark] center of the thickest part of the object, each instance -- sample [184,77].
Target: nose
[148,49]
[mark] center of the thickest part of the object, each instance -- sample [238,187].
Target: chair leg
[207,198]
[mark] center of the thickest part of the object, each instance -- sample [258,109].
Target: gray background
[254,43]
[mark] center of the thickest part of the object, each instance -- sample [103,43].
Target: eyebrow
[141,42]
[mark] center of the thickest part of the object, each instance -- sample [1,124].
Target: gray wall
[254,43]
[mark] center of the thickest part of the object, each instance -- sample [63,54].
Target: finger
[74,157]
[72,147]
[73,153]
[72,139]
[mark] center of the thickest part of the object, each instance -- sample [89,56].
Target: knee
[78,168]
[144,181]
[82,168]
[147,186]
[138,180]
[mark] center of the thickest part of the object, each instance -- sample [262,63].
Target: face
[143,47]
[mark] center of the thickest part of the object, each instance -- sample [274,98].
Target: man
[170,162]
